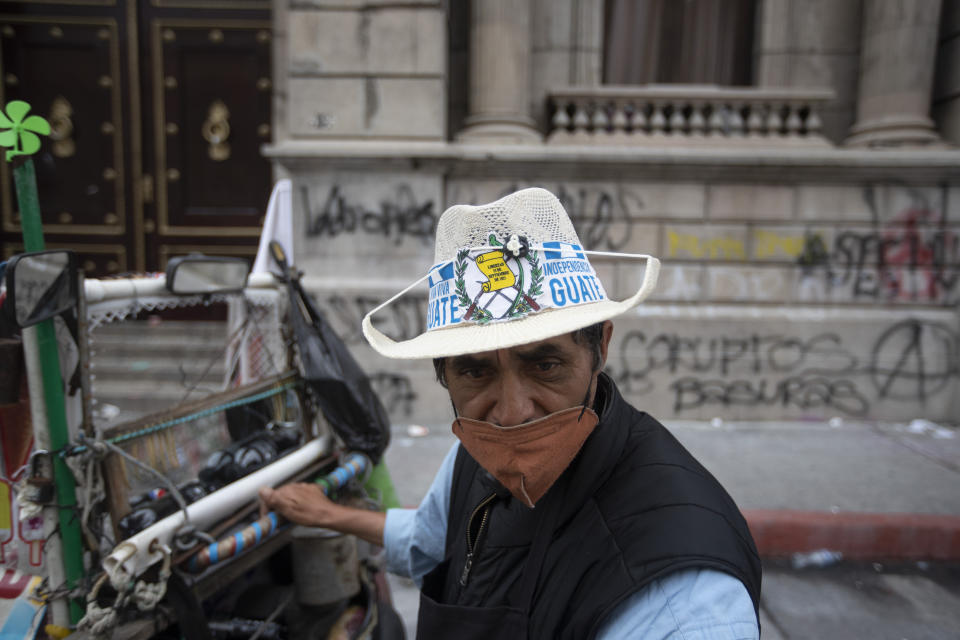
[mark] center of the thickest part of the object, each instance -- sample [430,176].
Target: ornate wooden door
[158,109]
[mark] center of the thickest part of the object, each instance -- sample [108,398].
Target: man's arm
[694,604]
[305,503]
[413,538]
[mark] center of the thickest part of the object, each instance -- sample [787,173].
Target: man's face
[512,386]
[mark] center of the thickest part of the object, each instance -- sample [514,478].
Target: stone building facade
[792,163]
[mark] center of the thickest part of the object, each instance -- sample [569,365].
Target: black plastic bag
[342,389]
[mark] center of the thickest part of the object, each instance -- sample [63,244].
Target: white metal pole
[60,613]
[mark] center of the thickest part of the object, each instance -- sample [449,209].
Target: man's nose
[513,404]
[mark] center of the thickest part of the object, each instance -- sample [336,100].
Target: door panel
[158,111]
[212,95]
[67,68]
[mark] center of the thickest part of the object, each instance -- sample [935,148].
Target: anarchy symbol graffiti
[915,359]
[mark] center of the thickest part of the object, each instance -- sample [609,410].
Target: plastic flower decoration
[518,246]
[19,131]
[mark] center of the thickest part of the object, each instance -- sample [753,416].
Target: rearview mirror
[41,285]
[199,274]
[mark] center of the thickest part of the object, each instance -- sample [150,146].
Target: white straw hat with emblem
[508,273]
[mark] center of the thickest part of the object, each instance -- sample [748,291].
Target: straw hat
[508,273]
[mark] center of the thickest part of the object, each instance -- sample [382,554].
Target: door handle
[146,188]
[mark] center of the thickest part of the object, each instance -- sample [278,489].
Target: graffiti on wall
[908,254]
[594,212]
[912,360]
[691,245]
[767,244]
[398,217]
[396,392]
[403,319]
[913,258]
[604,218]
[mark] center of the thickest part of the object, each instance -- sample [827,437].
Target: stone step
[142,367]
[184,347]
[128,348]
[171,327]
[119,401]
[138,340]
[167,395]
[211,366]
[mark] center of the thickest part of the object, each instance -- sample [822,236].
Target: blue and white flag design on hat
[561,250]
[500,283]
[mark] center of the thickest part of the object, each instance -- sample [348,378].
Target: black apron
[438,620]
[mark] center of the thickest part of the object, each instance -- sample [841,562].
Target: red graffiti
[923,256]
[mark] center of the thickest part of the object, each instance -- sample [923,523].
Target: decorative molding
[587,161]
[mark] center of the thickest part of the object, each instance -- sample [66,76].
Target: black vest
[633,506]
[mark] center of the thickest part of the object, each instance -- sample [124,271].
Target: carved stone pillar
[897,54]
[500,73]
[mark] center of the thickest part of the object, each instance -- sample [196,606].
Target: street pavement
[885,495]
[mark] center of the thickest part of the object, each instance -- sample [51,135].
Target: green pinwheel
[17,130]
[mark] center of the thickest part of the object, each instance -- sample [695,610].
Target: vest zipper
[473,545]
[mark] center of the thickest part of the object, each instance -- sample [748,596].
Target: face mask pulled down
[528,458]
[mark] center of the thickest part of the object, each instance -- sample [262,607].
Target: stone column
[897,54]
[500,59]
[809,45]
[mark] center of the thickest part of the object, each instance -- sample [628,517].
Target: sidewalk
[873,491]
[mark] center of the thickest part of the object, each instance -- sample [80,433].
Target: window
[678,41]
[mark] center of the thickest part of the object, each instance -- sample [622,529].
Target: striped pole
[233,545]
[354,465]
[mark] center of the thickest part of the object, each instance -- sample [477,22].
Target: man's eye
[471,373]
[547,366]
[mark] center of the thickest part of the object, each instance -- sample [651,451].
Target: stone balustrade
[687,114]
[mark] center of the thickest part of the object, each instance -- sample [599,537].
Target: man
[563,512]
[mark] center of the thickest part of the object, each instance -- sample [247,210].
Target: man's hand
[300,503]
[306,504]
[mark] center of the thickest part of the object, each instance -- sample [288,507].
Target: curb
[863,536]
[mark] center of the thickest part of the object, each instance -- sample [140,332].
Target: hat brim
[474,338]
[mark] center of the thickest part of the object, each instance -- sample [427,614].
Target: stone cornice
[780,164]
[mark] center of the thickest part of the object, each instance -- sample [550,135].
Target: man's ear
[605,342]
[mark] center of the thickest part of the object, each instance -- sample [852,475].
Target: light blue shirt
[690,604]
